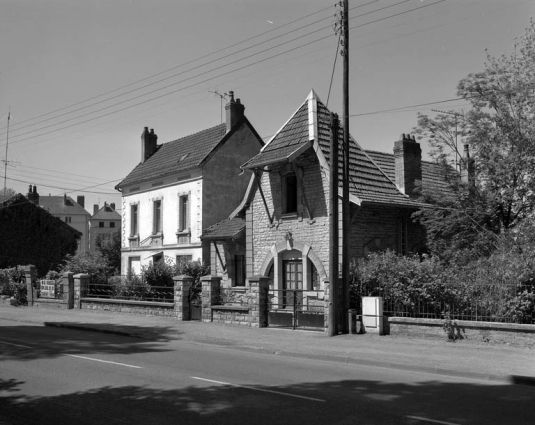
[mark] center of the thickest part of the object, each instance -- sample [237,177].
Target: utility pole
[345,193]
[333,229]
[5,159]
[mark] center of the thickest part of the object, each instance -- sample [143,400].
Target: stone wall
[129,307]
[462,330]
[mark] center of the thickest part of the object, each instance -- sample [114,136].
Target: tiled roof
[368,182]
[432,174]
[287,141]
[57,205]
[179,155]
[106,213]
[226,229]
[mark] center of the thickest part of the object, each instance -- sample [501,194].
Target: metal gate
[296,308]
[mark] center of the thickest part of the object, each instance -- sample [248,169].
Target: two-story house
[103,224]
[182,187]
[281,227]
[68,210]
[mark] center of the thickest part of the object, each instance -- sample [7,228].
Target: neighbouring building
[31,235]
[68,210]
[182,187]
[103,224]
[281,227]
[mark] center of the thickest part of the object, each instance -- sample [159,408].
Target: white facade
[149,244]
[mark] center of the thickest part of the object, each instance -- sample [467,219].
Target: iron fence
[492,302]
[131,288]
[296,308]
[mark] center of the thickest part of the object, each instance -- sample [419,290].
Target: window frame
[289,192]
[134,219]
[157,216]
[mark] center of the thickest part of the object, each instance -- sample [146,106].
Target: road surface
[60,376]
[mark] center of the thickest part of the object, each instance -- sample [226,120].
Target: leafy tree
[110,250]
[9,193]
[500,130]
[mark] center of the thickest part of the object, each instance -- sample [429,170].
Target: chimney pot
[235,111]
[408,164]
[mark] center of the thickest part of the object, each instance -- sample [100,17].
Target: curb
[514,379]
[511,379]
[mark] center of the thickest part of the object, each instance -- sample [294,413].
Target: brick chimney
[408,163]
[235,111]
[467,167]
[80,199]
[112,205]
[148,143]
[32,194]
[95,208]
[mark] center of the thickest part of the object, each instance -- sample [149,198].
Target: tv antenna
[221,97]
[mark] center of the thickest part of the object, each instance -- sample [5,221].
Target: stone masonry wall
[314,233]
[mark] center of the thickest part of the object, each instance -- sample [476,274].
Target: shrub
[13,284]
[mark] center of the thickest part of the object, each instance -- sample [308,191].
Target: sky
[80,79]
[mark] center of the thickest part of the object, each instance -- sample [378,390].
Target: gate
[296,308]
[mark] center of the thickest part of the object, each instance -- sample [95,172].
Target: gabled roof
[226,229]
[432,174]
[62,205]
[179,155]
[310,126]
[106,213]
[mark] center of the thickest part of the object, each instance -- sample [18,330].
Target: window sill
[133,238]
[289,216]
[185,232]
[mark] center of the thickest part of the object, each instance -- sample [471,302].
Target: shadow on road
[345,402]
[35,342]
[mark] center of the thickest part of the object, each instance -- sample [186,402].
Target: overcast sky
[83,77]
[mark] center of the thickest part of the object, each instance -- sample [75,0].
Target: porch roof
[225,230]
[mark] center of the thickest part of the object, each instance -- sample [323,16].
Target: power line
[206,72]
[179,66]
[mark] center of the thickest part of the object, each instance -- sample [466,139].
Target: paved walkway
[475,360]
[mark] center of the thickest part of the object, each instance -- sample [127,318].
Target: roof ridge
[196,133]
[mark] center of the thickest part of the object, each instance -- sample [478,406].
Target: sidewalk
[472,360]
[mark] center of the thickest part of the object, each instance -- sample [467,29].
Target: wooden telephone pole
[333,229]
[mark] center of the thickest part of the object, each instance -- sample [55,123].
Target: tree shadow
[345,402]
[55,340]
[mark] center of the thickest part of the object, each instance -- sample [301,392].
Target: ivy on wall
[31,235]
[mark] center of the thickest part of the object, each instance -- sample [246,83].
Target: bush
[13,284]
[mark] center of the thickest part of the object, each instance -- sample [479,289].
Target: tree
[110,250]
[499,127]
[9,193]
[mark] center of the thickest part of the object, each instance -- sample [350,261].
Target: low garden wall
[129,307]
[462,330]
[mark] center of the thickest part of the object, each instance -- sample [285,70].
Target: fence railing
[131,288]
[493,302]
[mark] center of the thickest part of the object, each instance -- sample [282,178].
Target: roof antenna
[221,96]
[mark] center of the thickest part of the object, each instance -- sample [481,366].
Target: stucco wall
[224,184]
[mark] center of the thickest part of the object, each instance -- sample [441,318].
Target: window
[183,259]
[134,265]
[157,217]
[183,213]
[67,219]
[239,270]
[134,210]
[289,193]
[100,224]
[112,223]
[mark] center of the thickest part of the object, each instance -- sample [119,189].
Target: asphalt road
[61,376]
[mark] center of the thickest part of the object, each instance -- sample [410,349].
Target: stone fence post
[326,297]
[30,273]
[68,289]
[80,286]
[258,290]
[211,288]
[182,287]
